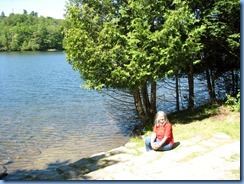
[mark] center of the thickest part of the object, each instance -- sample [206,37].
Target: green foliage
[233,40]
[233,103]
[130,44]
[222,38]
[22,32]
[183,33]
[123,45]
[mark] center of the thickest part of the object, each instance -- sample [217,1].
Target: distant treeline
[28,32]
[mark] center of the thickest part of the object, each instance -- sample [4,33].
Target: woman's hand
[155,146]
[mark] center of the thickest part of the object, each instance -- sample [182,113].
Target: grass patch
[236,173]
[138,141]
[203,121]
[138,144]
[191,156]
[197,114]
[234,157]
[206,129]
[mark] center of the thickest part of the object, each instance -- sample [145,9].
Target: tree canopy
[133,44]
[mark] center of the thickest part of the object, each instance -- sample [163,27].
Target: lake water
[46,117]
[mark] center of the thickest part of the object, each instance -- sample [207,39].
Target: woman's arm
[153,137]
[156,146]
[153,144]
[162,141]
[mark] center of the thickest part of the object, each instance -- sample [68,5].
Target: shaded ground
[217,158]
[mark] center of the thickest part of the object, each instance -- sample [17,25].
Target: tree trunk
[139,106]
[213,83]
[149,104]
[235,85]
[145,99]
[146,108]
[191,87]
[177,91]
[211,91]
[153,98]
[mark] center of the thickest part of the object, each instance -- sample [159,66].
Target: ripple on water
[46,116]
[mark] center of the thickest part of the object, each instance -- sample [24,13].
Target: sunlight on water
[45,115]
[46,118]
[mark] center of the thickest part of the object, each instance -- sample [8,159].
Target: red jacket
[164,130]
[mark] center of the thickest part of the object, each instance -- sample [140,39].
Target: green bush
[233,103]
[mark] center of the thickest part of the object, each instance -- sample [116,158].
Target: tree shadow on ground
[65,170]
[197,114]
[35,174]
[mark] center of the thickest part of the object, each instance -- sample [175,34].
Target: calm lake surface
[46,117]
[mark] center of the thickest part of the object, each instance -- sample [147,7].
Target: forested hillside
[28,32]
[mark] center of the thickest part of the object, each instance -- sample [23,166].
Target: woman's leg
[165,147]
[148,143]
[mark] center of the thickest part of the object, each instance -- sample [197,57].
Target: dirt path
[217,158]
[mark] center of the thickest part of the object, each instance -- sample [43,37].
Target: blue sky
[51,8]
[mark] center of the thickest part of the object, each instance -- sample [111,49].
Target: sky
[50,8]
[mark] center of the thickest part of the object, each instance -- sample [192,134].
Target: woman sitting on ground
[162,137]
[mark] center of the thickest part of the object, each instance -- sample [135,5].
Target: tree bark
[149,103]
[145,99]
[212,78]
[153,98]
[177,91]
[139,106]
[211,91]
[191,87]
[235,85]
[145,106]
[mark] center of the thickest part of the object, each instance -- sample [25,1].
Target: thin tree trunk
[191,87]
[149,103]
[139,106]
[177,91]
[145,99]
[153,98]
[213,83]
[234,83]
[237,86]
[210,88]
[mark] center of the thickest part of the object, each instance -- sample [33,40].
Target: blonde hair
[160,114]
